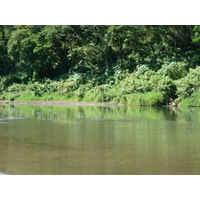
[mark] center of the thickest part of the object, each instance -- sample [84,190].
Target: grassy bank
[148,88]
[193,100]
[144,99]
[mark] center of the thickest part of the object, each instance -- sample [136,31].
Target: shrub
[167,87]
[127,85]
[175,70]
[193,100]
[38,89]
[189,84]
[71,84]
[16,88]
[90,95]
[152,98]
[141,69]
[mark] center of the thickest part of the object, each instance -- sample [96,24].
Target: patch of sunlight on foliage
[193,100]
[147,99]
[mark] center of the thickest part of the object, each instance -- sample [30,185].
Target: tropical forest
[152,65]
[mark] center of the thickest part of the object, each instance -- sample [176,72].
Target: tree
[5,62]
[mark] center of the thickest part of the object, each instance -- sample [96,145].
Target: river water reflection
[99,140]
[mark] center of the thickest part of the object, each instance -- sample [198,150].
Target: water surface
[99,140]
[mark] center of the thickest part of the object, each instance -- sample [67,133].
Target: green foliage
[38,89]
[196,37]
[147,82]
[141,69]
[193,100]
[16,88]
[168,88]
[51,51]
[188,84]
[175,70]
[147,99]
[116,63]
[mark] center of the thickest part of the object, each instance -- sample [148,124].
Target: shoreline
[71,103]
[58,103]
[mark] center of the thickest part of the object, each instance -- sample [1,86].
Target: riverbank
[148,89]
[186,103]
[58,103]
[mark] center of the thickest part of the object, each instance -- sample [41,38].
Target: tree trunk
[106,62]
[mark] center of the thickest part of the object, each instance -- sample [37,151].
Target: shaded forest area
[135,65]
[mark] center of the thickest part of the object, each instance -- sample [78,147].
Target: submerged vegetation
[134,65]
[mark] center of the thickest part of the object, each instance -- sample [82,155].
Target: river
[99,140]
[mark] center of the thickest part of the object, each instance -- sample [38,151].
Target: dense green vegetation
[135,65]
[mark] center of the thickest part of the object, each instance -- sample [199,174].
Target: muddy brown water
[99,140]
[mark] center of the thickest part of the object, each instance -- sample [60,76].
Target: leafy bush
[71,84]
[127,85]
[16,88]
[175,70]
[9,80]
[119,74]
[189,84]
[38,89]
[90,95]
[167,87]
[152,98]
[141,69]
[134,84]
[103,93]
[2,84]
[193,100]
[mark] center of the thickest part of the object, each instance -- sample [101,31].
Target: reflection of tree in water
[67,114]
[171,114]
